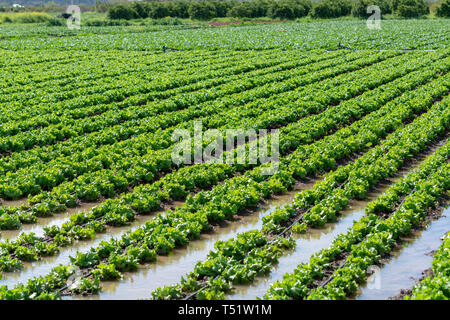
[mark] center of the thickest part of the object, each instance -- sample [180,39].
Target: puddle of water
[169,270]
[56,220]
[44,266]
[306,245]
[14,203]
[407,263]
[315,240]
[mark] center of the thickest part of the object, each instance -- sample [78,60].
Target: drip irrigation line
[301,215]
[83,277]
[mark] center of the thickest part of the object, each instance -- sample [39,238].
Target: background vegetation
[173,12]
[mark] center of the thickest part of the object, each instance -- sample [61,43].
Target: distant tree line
[281,9]
[208,9]
[444,9]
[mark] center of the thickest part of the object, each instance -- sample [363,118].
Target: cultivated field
[395,34]
[94,205]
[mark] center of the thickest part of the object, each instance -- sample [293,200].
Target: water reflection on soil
[169,270]
[56,220]
[44,266]
[407,263]
[306,245]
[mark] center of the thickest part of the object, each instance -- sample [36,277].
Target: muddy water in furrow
[56,220]
[317,239]
[407,263]
[306,245]
[14,203]
[44,266]
[169,270]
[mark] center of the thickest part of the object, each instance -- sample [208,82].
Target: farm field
[94,205]
[394,34]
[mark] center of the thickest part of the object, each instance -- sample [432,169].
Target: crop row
[75,72]
[175,185]
[14,60]
[177,227]
[379,163]
[105,64]
[81,74]
[160,140]
[290,113]
[123,91]
[381,240]
[145,103]
[435,287]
